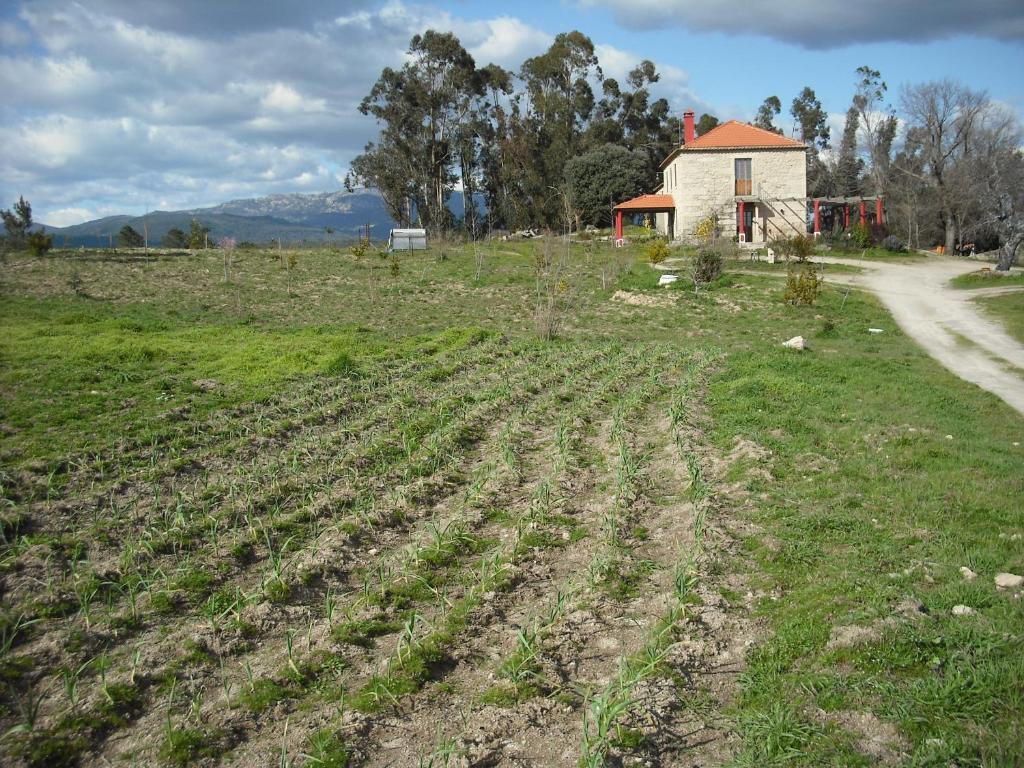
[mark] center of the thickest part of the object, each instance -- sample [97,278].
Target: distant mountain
[291,217]
[339,210]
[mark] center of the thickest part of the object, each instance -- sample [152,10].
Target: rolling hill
[291,217]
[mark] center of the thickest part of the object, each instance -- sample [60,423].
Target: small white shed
[407,240]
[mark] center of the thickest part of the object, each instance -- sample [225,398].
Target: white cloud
[505,40]
[65,217]
[284,98]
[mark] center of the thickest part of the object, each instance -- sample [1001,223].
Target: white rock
[797,342]
[1008,580]
[876,330]
[962,610]
[967,573]
[667,279]
[949,437]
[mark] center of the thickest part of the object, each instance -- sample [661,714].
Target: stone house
[753,181]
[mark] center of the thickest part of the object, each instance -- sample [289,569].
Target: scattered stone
[206,385]
[667,279]
[967,573]
[875,330]
[797,342]
[1008,581]
[949,437]
[962,610]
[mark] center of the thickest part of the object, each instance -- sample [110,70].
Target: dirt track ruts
[940,318]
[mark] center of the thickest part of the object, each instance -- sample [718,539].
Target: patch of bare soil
[876,739]
[643,299]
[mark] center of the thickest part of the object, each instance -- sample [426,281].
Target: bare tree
[997,180]
[942,116]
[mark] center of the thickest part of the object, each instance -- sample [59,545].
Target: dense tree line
[508,138]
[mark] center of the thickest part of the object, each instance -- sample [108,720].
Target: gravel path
[945,320]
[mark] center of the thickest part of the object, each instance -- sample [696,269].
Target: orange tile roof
[737,135]
[647,203]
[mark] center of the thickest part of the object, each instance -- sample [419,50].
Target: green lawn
[882,473]
[876,254]
[1009,310]
[989,279]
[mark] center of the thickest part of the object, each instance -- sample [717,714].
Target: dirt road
[946,321]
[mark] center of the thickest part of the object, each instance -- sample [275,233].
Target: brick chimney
[688,126]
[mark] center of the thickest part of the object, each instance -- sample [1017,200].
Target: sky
[127,106]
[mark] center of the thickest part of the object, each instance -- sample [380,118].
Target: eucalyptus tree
[811,121]
[766,114]
[848,166]
[559,106]
[631,118]
[706,123]
[422,108]
[878,125]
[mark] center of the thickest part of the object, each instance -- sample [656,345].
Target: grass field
[1009,310]
[329,511]
[990,279]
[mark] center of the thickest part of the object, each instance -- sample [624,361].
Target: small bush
[799,247]
[657,252]
[707,229]
[861,235]
[39,243]
[894,244]
[360,249]
[802,286]
[707,265]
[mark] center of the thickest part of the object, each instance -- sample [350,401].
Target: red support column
[817,217]
[863,213]
[618,225]
[879,214]
[741,229]
[846,216]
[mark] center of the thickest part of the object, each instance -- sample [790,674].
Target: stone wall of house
[703,182]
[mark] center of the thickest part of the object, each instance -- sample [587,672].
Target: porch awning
[648,204]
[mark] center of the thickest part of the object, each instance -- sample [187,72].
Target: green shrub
[361,248]
[39,243]
[657,252]
[802,286]
[861,235]
[707,265]
[799,247]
